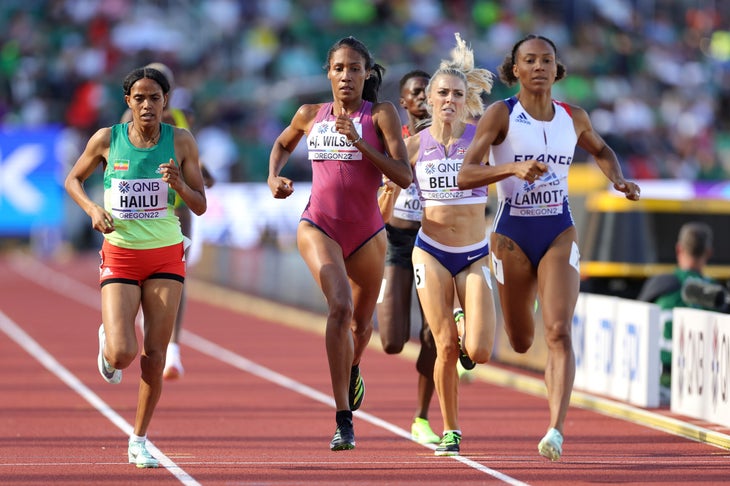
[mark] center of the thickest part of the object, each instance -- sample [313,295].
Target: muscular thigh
[323,257]
[559,278]
[516,283]
[365,272]
[435,287]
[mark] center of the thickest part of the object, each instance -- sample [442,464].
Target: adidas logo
[522,118]
[106,272]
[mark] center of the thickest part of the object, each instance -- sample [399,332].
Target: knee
[152,364]
[121,358]
[557,335]
[392,347]
[340,310]
[521,344]
[448,351]
[481,355]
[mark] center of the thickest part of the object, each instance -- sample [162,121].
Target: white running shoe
[551,446]
[139,455]
[173,364]
[111,375]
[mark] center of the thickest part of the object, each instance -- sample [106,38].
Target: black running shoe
[464,358]
[357,388]
[344,438]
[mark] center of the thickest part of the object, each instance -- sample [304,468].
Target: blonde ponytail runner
[478,80]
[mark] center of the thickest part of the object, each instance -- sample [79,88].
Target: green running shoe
[421,432]
[357,388]
[449,445]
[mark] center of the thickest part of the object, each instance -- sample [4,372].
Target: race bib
[543,197]
[408,204]
[324,142]
[138,198]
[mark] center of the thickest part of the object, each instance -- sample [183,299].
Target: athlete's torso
[551,142]
[344,181]
[436,170]
[140,202]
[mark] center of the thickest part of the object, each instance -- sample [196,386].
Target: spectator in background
[693,250]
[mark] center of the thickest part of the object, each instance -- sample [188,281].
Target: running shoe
[139,455]
[421,432]
[357,388]
[449,445]
[465,376]
[344,438]
[110,374]
[551,446]
[173,364]
[464,358]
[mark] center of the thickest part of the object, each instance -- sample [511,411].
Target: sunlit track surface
[254,406]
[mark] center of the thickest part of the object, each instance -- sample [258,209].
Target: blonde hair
[477,80]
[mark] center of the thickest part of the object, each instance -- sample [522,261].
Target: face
[535,64]
[447,98]
[413,97]
[146,101]
[347,74]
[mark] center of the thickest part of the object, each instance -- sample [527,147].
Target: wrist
[357,140]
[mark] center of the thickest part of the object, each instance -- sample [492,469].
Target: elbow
[405,179]
[462,181]
[200,209]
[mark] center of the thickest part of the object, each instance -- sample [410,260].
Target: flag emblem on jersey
[121,165]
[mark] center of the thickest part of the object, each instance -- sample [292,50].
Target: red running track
[254,406]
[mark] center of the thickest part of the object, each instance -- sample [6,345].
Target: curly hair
[507,75]
[477,80]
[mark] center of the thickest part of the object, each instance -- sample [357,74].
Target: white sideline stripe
[26,342]
[243,364]
[31,269]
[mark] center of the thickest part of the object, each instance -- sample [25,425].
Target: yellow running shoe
[421,432]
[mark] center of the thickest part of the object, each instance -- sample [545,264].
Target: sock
[343,416]
[137,438]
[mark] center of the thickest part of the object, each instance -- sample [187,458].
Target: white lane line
[217,352]
[29,344]
[32,270]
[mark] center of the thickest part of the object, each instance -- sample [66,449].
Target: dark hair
[145,72]
[416,73]
[376,71]
[505,69]
[695,238]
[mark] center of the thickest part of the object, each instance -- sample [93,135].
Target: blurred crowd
[654,75]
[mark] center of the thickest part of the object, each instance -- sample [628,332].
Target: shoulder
[308,111]
[497,109]
[385,108]
[102,137]
[659,285]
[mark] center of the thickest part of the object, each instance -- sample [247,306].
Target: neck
[447,133]
[146,136]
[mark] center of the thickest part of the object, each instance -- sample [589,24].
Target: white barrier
[701,365]
[615,342]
